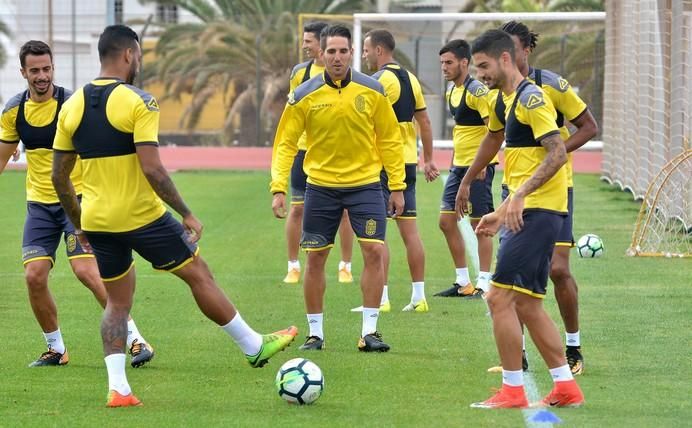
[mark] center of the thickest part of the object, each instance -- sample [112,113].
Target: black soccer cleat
[575,360]
[457,290]
[51,358]
[313,343]
[372,343]
[141,353]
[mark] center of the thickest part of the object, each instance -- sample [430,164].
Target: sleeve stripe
[544,136]
[63,151]
[146,143]
[421,109]
[494,131]
[9,142]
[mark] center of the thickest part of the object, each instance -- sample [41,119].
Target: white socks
[54,341]
[561,374]
[572,339]
[370,316]
[345,265]
[294,264]
[483,281]
[315,323]
[513,377]
[385,296]
[133,334]
[115,364]
[462,276]
[417,291]
[245,337]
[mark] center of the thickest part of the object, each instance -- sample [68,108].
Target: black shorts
[298,179]
[162,242]
[565,238]
[480,197]
[44,225]
[523,259]
[324,207]
[409,193]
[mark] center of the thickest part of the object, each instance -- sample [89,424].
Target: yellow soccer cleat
[421,307]
[292,277]
[345,276]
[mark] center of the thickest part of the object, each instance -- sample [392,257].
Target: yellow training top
[301,73]
[406,96]
[527,120]
[351,132]
[34,124]
[103,122]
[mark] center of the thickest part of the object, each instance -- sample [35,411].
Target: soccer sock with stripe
[54,341]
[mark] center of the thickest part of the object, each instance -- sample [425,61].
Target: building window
[167,13]
[118,11]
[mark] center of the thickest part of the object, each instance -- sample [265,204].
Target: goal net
[648,89]
[664,224]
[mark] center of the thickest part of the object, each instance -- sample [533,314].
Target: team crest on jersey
[370,227]
[291,98]
[563,84]
[359,102]
[535,100]
[71,243]
[482,90]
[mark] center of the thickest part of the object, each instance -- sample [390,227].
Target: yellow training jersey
[351,132]
[34,124]
[567,104]
[406,96]
[103,122]
[468,105]
[301,73]
[526,121]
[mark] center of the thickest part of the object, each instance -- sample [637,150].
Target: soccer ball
[589,246]
[299,381]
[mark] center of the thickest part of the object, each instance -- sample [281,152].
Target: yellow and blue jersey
[468,105]
[526,120]
[351,133]
[301,73]
[103,122]
[406,96]
[34,123]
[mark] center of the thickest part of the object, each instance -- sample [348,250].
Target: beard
[37,91]
[131,75]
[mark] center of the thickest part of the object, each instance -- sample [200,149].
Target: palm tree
[233,42]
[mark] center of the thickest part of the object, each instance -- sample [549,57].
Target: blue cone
[546,417]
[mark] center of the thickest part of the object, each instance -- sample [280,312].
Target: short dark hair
[494,43]
[527,37]
[459,48]
[114,39]
[315,28]
[335,30]
[381,38]
[34,47]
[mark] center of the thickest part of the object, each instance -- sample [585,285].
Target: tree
[233,42]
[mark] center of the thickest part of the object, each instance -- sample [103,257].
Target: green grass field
[635,319]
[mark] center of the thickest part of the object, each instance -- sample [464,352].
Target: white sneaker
[384,307]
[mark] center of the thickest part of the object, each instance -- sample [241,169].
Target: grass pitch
[635,322]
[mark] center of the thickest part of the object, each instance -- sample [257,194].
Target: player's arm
[389,144]
[574,109]
[290,128]
[63,163]
[587,128]
[7,150]
[487,151]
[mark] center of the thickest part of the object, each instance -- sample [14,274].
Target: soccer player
[302,73]
[31,117]
[352,132]
[404,93]
[113,127]
[531,218]
[468,105]
[570,107]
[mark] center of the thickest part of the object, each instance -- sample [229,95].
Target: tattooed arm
[63,163]
[162,184]
[553,161]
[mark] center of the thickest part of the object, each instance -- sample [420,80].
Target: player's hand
[193,228]
[83,241]
[279,205]
[461,203]
[431,171]
[396,204]
[514,214]
[481,175]
[15,155]
[489,225]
